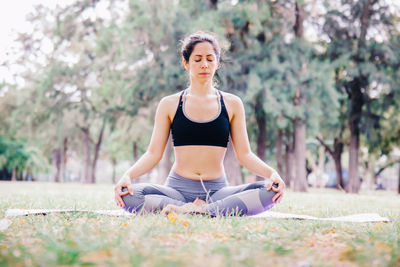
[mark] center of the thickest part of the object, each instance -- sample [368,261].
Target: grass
[182,240]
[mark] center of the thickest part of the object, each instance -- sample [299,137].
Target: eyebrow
[202,55]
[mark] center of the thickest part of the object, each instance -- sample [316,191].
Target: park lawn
[182,240]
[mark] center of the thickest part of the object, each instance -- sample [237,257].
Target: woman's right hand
[125,181]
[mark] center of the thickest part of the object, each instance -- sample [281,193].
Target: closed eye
[209,60]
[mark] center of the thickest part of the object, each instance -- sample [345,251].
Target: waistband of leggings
[175,179]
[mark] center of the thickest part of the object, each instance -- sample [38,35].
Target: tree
[350,28]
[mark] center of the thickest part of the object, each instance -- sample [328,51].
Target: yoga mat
[21,212]
[362,217]
[357,218]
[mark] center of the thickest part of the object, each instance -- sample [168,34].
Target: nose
[204,64]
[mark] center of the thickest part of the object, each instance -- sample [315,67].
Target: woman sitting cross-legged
[201,118]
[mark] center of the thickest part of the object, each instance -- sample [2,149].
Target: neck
[201,88]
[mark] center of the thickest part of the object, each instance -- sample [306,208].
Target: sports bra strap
[221,99]
[180,98]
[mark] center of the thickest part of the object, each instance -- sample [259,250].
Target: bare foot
[199,202]
[191,207]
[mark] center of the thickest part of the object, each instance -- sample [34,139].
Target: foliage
[108,70]
[17,154]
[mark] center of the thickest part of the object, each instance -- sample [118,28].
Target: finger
[275,197]
[120,201]
[268,186]
[124,193]
[130,190]
[118,192]
[118,189]
[280,198]
[276,189]
[117,202]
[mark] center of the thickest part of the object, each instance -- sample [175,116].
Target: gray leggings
[246,199]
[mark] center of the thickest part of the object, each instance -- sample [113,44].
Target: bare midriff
[195,162]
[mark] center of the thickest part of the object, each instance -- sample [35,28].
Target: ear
[185,64]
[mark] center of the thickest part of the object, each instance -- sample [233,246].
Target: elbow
[155,156]
[242,158]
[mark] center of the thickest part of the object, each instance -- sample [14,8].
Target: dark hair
[192,40]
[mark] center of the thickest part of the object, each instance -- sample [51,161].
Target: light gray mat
[359,218]
[362,217]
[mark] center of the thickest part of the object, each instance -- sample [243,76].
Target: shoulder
[168,104]
[232,101]
[169,101]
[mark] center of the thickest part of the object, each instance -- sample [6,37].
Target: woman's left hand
[275,179]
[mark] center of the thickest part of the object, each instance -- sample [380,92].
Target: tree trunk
[370,172]
[86,155]
[337,158]
[299,127]
[353,185]
[14,174]
[56,161]
[232,167]
[338,169]
[279,152]
[300,179]
[213,4]
[63,160]
[165,164]
[96,152]
[356,94]
[321,166]
[262,132]
[289,163]
[336,154]
[298,26]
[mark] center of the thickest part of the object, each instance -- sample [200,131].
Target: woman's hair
[190,42]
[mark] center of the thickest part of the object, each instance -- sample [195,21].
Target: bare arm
[153,155]
[158,141]
[243,151]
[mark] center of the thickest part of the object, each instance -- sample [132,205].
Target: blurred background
[80,81]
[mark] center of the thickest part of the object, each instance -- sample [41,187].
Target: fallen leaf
[380,246]
[378,226]
[97,256]
[172,217]
[345,253]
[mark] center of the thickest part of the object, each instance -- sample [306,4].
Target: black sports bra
[214,132]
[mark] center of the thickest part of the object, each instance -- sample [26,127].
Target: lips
[204,73]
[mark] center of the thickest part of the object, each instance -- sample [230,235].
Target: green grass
[154,240]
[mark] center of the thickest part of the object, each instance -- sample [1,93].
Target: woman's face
[202,62]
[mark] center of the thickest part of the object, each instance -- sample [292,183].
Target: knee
[266,198]
[132,203]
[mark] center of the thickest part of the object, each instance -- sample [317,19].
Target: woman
[200,118]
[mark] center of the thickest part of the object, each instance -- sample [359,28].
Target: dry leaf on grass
[173,218]
[97,256]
